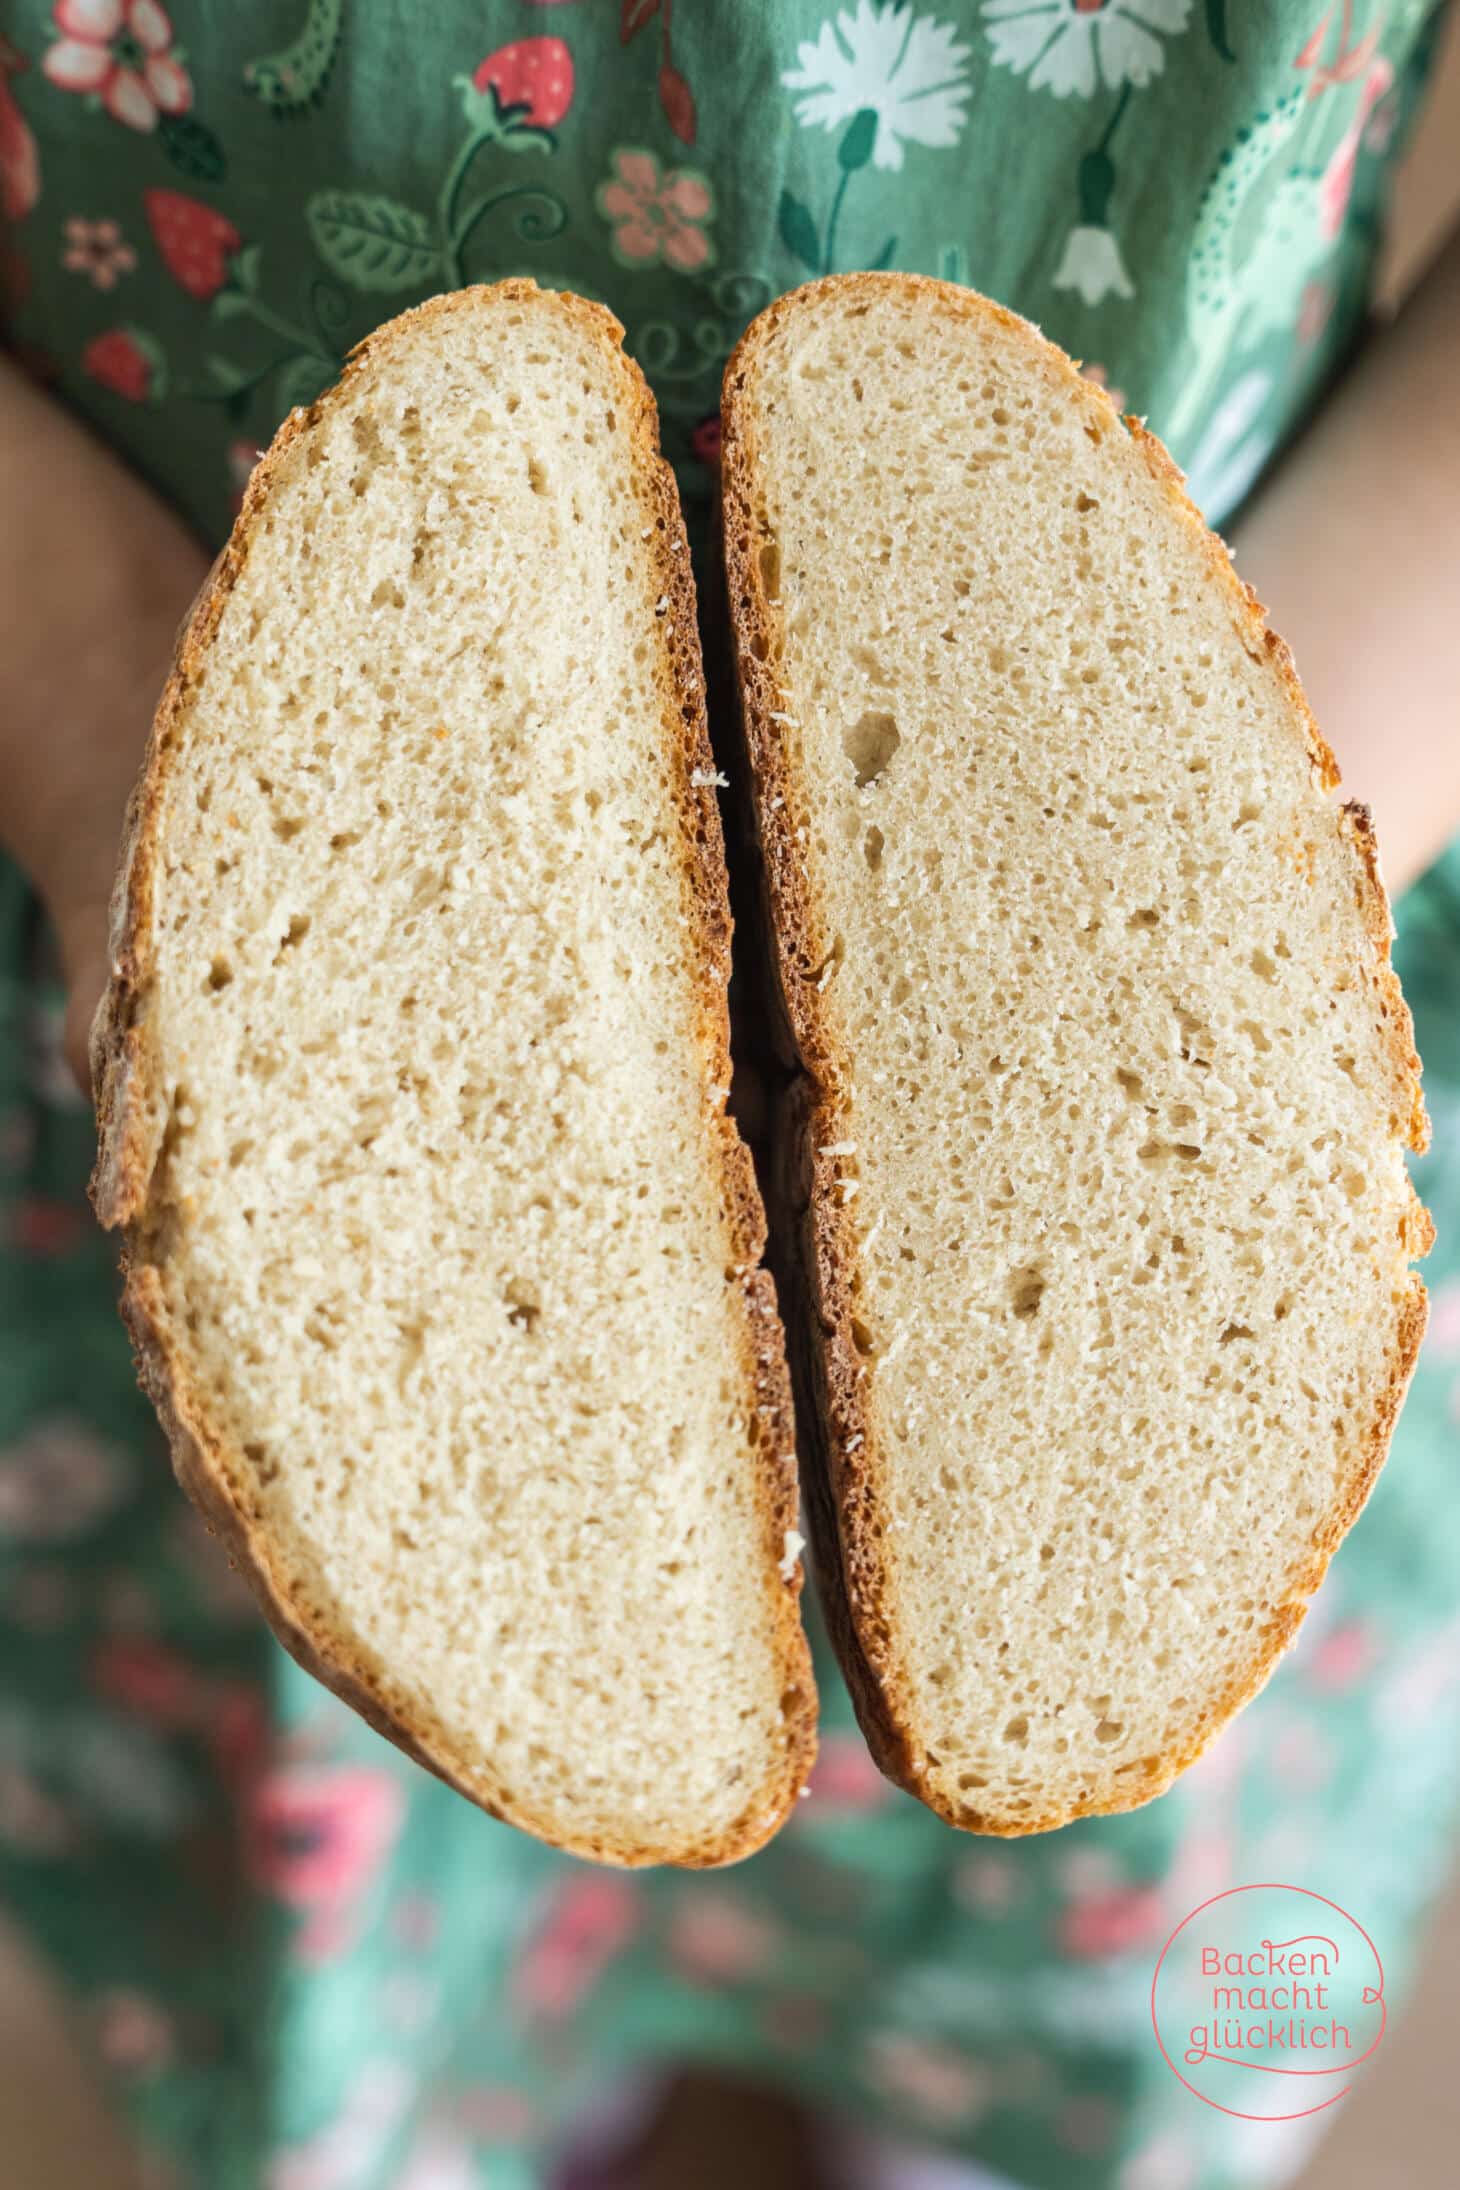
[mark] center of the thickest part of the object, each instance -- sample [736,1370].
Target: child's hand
[95,577]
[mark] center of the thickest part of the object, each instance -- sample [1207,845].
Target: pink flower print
[317,1837]
[590,1919]
[1337,184]
[656,215]
[716,1939]
[20,172]
[58,1482]
[845,1778]
[1115,1922]
[97,250]
[133,2034]
[121,50]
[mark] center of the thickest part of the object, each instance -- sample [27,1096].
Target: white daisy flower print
[1073,47]
[1092,264]
[909,70]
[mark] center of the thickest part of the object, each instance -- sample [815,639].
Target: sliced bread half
[443,1256]
[1100,1147]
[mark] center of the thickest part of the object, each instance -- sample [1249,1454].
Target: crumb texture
[1114,1084]
[443,1215]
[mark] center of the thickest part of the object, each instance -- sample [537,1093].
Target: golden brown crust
[838,1421]
[132,1124]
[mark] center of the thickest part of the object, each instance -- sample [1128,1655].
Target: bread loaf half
[1107,1228]
[443,1256]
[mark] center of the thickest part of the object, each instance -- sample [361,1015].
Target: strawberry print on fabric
[532,83]
[128,362]
[195,241]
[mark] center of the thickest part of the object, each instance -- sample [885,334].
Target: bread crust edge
[837,1419]
[131,1132]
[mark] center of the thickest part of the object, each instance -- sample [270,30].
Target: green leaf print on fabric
[312,356]
[293,81]
[799,232]
[379,245]
[1217,29]
[192,147]
[372,242]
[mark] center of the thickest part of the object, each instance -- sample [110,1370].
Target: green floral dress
[306,1965]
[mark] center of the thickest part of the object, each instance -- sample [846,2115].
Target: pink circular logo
[1266,2000]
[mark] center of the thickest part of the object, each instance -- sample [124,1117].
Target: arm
[95,575]
[1355,547]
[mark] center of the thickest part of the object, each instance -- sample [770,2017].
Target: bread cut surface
[1107,1229]
[443,1254]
